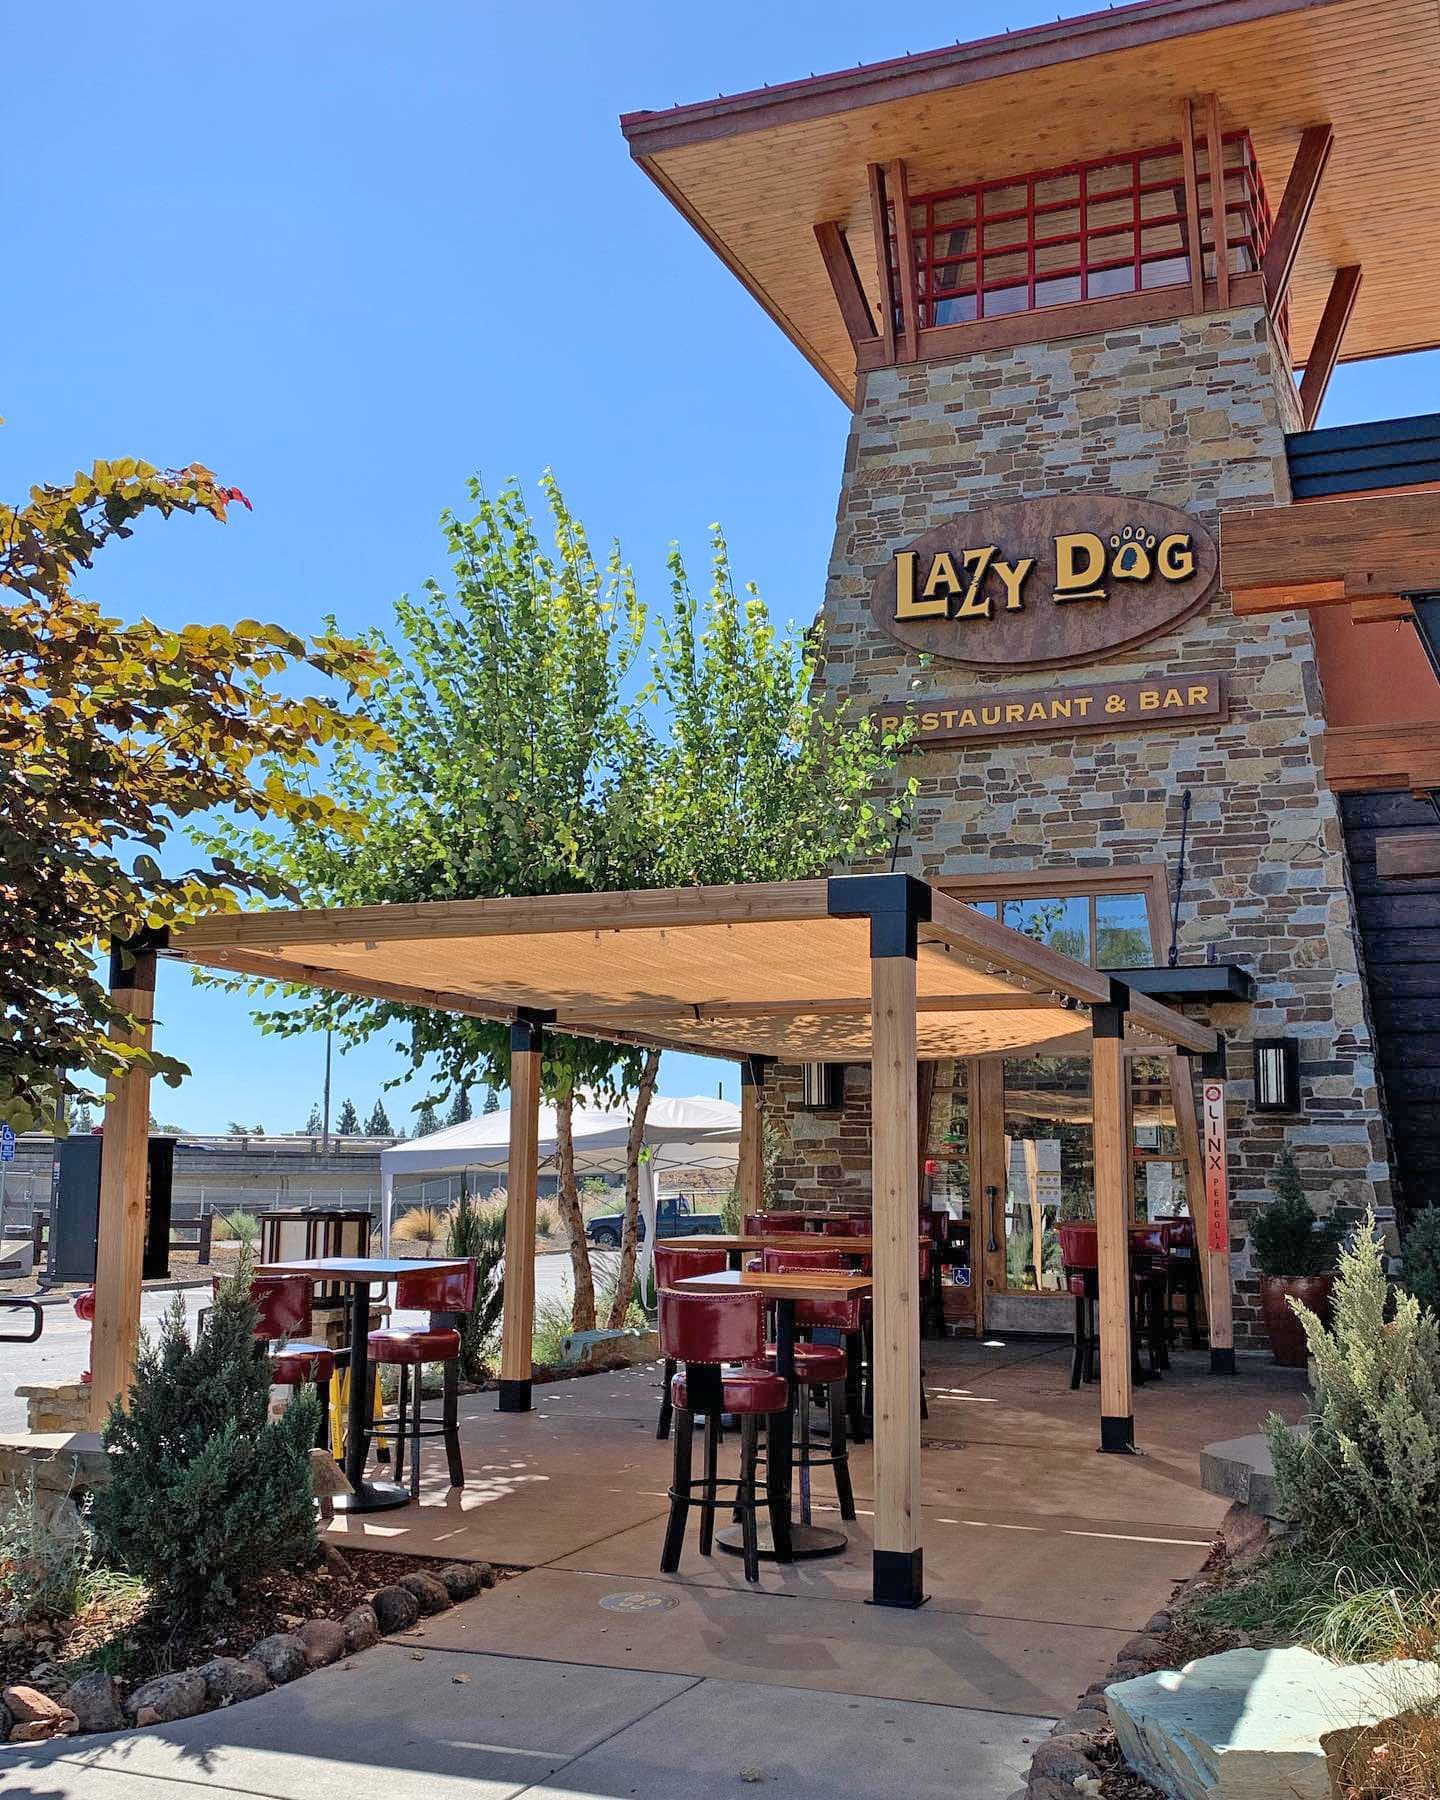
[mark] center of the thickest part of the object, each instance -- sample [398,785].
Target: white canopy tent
[679,1134]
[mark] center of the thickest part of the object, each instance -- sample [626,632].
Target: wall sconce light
[1277,1075]
[822,1087]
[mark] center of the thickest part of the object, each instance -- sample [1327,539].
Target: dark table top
[803,1284]
[360,1268]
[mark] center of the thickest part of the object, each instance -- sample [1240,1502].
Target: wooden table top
[806,1284]
[770,1240]
[360,1268]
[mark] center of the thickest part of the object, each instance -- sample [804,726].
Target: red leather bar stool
[705,1332]
[824,1366]
[284,1316]
[757,1224]
[1184,1262]
[1150,1287]
[672,1265]
[846,1225]
[925,1263]
[434,1291]
[1080,1258]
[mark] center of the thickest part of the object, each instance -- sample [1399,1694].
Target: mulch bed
[118,1634]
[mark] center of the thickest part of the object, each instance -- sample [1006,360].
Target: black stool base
[372,1496]
[806,1541]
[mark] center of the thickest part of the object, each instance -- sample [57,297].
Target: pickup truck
[675,1216]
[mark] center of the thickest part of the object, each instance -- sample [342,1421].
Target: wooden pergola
[878,969]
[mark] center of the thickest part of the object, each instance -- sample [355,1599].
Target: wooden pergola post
[750,1166]
[124,1160]
[1110,1094]
[896,905]
[517,1326]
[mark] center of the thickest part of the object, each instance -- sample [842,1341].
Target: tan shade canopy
[754,173]
[766,969]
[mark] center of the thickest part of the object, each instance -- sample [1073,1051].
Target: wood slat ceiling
[1371,68]
[691,984]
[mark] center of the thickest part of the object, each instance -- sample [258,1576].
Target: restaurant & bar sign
[1098,706]
[1044,583]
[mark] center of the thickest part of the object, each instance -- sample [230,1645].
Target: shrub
[207,1492]
[420,1225]
[238,1227]
[1286,1236]
[1366,1471]
[732,1213]
[553,1323]
[46,1559]
[547,1219]
[479,1232]
[1422,1258]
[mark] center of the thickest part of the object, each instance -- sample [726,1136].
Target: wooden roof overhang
[773,969]
[756,173]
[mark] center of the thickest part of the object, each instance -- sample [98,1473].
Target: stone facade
[1192,413]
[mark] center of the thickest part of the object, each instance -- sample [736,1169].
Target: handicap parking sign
[7,1144]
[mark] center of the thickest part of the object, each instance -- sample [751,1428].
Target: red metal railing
[1090,230]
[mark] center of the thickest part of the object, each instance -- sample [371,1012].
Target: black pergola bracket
[898,1579]
[896,906]
[1222,1362]
[514,1397]
[1117,1435]
[525,1029]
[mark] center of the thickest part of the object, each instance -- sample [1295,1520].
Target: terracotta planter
[1287,1336]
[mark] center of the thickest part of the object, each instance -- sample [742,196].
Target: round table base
[372,1496]
[806,1540]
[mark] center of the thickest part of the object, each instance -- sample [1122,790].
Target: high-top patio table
[792,1541]
[360,1274]
[737,1246]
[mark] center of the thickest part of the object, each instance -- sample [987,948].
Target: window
[1113,226]
[1107,930]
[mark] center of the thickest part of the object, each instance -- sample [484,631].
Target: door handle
[992,1245]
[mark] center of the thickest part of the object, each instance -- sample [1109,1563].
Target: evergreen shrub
[207,1491]
[1364,1470]
[1422,1257]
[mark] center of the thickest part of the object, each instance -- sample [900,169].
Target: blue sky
[346,256]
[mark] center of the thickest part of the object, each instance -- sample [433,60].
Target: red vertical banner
[1217,1183]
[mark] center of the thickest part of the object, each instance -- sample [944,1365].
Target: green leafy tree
[378,1124]
[523,766]
[460,1109]
[348,1124]
[426,1119]
[207,1492]
[111,735]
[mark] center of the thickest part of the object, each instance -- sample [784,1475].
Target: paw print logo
[1130,558]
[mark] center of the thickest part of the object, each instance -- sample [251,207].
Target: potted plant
[1295,1252]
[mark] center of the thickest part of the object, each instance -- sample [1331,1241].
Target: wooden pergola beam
[124,1157]
[1296,203]
[1110,1138]
[1407,855]
[1329,335]
[880,228]
[1353,547]
[1194,228]
[845,281]
[1215,157]
[750,1164]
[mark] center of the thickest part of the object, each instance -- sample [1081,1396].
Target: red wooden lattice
[1090,230]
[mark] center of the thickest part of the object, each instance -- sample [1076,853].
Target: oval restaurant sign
[1040,583]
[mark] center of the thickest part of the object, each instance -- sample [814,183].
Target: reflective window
[1122,932]
[1063,925]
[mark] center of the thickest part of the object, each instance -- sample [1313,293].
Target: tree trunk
[625,1280]
[582,1313]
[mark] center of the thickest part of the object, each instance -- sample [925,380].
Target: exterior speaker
[822,1087]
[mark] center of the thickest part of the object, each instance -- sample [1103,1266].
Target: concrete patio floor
[593,1674]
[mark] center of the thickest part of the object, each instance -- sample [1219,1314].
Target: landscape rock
[324,1641]
[95,1701]
[6,1721]
[281,1656]
[462,1580]
[609,1349]
[429,1591]
[37,1731]
[361,1628]
[396,1608]
[179,1695]
[1061,1759]
[1242,1469]
[327,1478]
[231,1678]
[27,1705]
[1248,1724]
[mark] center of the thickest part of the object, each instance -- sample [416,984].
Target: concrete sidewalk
[591,1674]
[408,1721]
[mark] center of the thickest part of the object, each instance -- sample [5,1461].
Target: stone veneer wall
[1192,413]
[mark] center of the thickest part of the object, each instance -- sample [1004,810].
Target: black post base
[1117,1436]
[898,1578]
[1222,1362]
[514,1396]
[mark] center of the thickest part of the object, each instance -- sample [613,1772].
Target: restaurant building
[1164,644]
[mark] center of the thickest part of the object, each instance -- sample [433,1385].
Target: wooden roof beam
[1325,351]
[1357,547]
[1306,173]
[1409,855]
[839,262]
